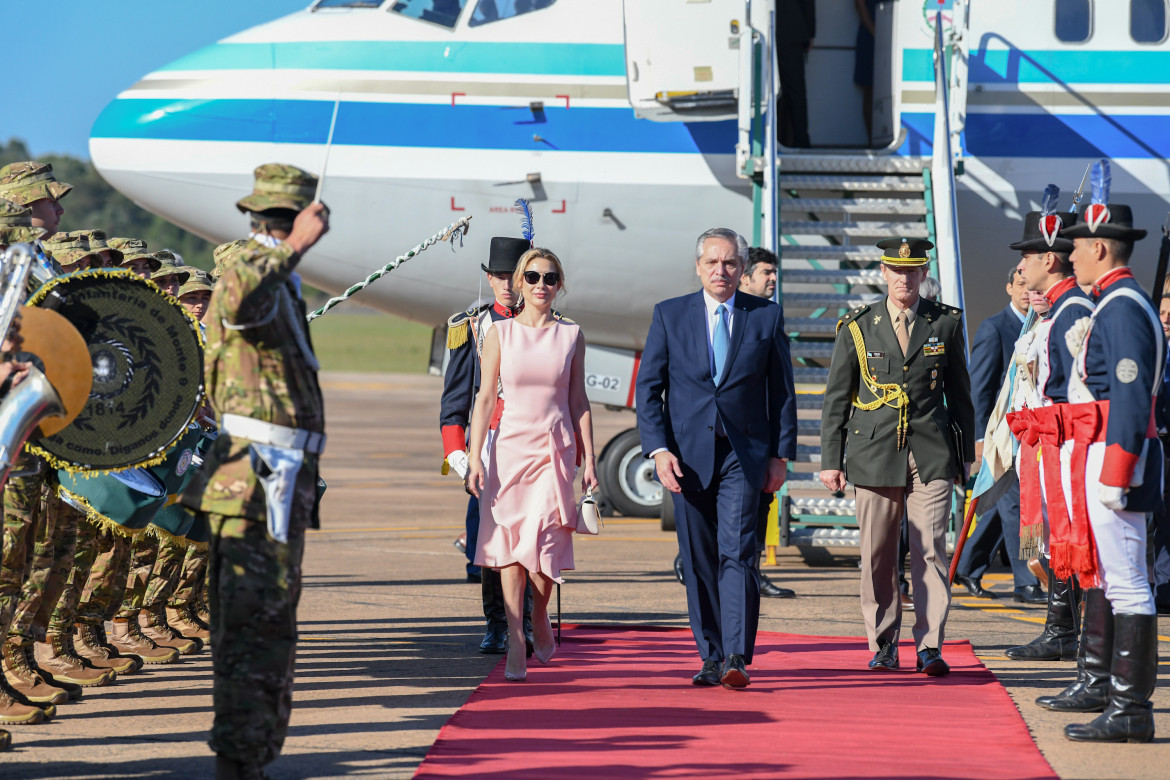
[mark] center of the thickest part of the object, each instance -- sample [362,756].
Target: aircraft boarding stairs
[834,208]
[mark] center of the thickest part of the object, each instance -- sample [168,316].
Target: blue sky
[93,49]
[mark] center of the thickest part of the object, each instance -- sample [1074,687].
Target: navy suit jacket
[991,354]
[678,401]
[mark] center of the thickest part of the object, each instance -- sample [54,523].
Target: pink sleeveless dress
[527,511]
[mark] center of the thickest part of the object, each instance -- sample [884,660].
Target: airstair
[834,209]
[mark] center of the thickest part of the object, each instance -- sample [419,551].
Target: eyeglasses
[551,278]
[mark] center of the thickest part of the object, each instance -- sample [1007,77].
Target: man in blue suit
[991,354]
[717,413]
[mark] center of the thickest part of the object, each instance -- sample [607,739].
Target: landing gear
[627,478]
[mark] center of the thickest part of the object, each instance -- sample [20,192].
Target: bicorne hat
[1044,233]
[1099,219]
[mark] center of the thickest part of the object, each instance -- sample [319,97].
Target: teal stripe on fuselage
[1072,66]
[559,59]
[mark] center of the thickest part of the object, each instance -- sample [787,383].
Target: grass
[370,342]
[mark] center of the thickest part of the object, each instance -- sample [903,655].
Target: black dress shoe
[709,674]
[495,640]
[974,587]
[886,658]
[770,590]
[1030,594]
[734,673]
[678,570]
[930,662]
[907,602]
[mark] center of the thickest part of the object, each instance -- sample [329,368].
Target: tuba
[52,394]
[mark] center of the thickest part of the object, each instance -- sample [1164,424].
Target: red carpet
[617,703]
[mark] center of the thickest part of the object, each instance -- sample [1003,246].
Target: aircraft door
[682,58]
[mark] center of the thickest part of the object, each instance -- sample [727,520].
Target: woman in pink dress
[528,509]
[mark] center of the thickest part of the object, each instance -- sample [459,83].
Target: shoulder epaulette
[853,314]
[558,316]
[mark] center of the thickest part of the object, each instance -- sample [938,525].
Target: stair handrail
[944,157]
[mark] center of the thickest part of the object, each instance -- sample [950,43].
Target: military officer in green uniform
[258,483]
[898,423]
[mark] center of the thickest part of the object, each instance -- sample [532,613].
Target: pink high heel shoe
[542,655]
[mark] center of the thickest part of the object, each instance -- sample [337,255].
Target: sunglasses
[551,278]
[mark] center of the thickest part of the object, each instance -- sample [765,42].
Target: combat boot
[128,638]
[1134,673]
[90,643]
[203,612]
[183,620]
[23,678]
[1090,691]
[5,740]
[62,662]
[1058,640]
[6,690]
[17,713]
[155,625]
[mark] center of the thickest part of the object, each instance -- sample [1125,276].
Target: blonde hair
[534,254]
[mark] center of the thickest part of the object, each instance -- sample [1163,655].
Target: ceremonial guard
[258,484]
[465,335]
[1115,462]
[1044,355]
[898,423]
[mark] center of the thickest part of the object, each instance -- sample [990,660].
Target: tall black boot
[495,638]
[1090,691]
[1058,640]
[1130,715]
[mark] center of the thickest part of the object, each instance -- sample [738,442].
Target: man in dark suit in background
[717,413]
[991,355]
[796,26]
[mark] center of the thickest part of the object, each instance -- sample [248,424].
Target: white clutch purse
[588,517]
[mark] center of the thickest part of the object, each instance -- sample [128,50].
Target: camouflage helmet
[198,282]
[70,248]
[16,224]
[97,243]
[279,186]
[224,254]
[134,249]
[171,265]
[25,182]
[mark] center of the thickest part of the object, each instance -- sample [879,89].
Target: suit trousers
[879,515]
[717,538]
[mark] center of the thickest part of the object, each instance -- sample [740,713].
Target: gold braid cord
[884,394]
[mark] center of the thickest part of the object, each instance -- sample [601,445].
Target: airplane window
[1147,20]
[498,10]
[444,12]
[1074,20]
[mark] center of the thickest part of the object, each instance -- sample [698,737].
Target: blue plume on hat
[1048,202]
[1101,178]
[525,220]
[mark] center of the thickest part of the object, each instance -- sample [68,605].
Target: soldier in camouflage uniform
[111,257]
[135,256]
[261,376]
[22,515]
[33,184]
[172,273]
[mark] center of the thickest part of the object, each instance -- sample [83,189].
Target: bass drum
[127,500]
[176,473]
[147,370]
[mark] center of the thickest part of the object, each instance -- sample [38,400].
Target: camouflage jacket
[259,364]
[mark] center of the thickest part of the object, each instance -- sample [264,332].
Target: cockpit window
[1074,20]
[444,12]
[497,10]
[346,4]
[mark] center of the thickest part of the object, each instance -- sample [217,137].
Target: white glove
[459,463]
[1112,497]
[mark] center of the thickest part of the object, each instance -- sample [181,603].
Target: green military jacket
[864,444]
[259,363]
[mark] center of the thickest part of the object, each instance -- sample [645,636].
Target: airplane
[629,128]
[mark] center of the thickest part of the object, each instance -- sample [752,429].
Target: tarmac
[389,624]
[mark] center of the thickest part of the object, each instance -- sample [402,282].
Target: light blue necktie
[721,342]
